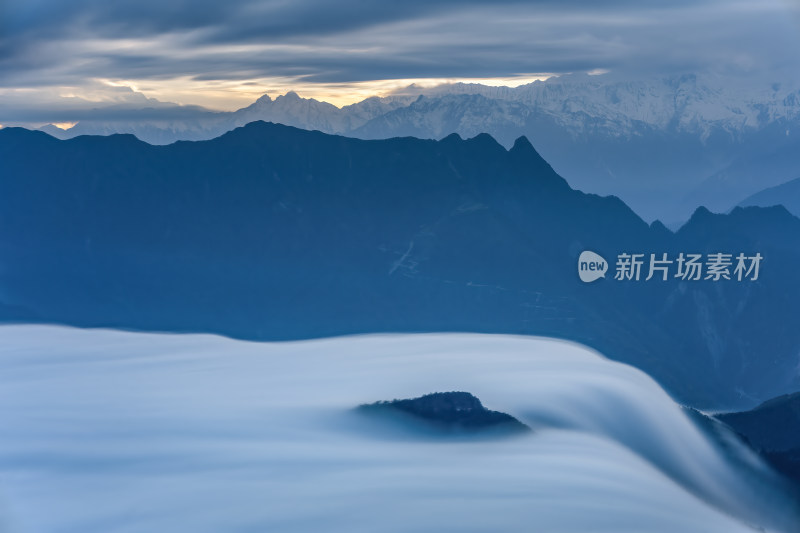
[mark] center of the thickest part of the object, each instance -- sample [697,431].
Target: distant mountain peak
[451,412]
[701,213]
[486,140]
[453,137]
[777,212]
[13,132]
[523,145]
[659,227]
[524,152]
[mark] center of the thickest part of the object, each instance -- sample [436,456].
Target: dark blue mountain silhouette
[772,428]
[271,232]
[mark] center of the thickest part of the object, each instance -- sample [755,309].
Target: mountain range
[271,232]
[664,145]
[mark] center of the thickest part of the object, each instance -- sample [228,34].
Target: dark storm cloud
[39,35]
[241,19]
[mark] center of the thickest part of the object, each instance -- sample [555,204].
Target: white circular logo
[591,266]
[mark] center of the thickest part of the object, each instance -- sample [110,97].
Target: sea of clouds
[110,431]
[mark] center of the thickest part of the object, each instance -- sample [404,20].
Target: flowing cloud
[117,431]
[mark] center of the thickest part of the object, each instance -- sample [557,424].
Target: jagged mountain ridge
[658,143]
[270,232]
[690,102]
[698,104]
[289,109]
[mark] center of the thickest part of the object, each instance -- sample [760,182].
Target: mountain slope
[773,428]
[270,232]
[747,175]
[786,194]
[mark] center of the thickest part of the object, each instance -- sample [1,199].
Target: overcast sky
[57,56]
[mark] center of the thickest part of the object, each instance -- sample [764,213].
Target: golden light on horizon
[224,95]
[69,103]
[64,125]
